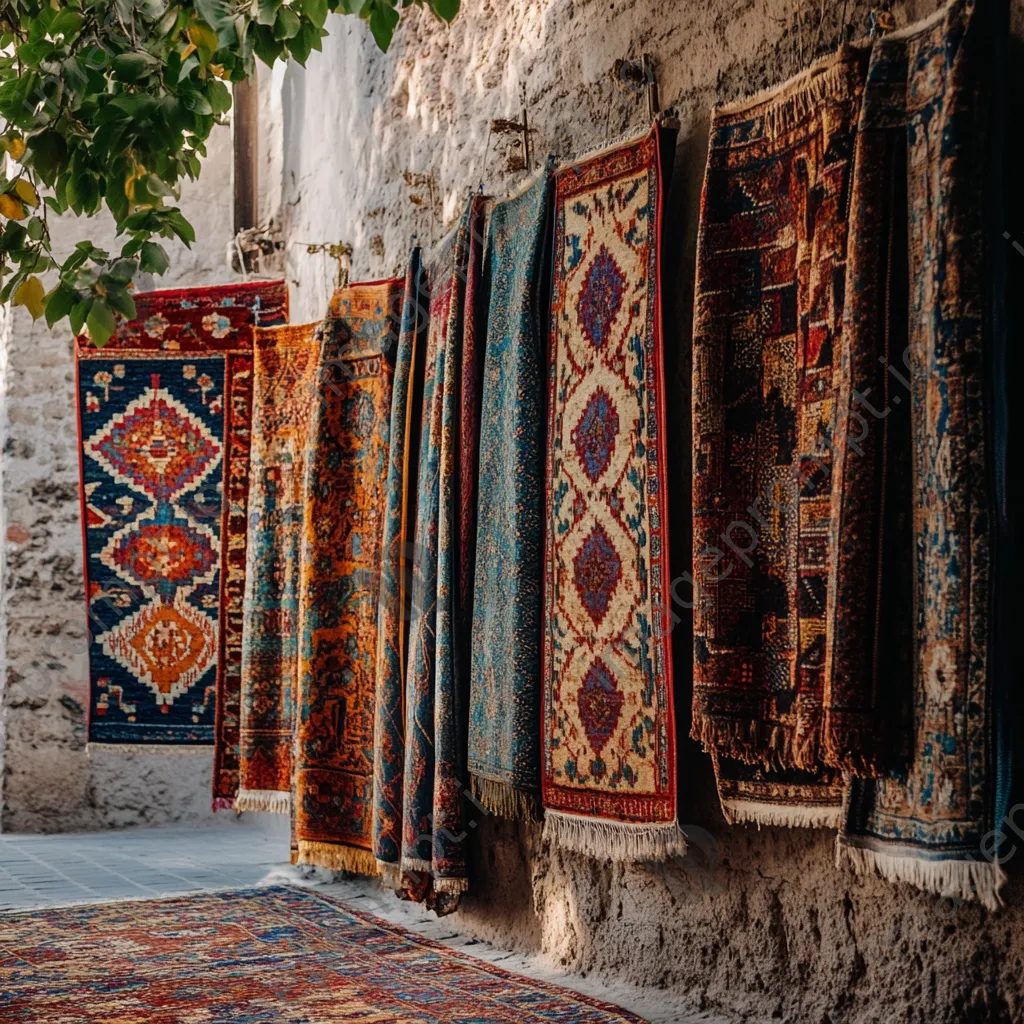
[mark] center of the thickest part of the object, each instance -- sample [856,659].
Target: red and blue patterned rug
[255,956]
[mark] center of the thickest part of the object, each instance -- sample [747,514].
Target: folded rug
[609,772]
[868,626]
[768,314]
[395,572]
[340,578]
[504,685]
[456,540]
[271,954]
[937,825]
[285,366]
[433,838]
[164,418]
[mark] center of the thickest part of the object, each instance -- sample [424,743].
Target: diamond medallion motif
[156,445]
[163,556]
[597,570]
[167,646]
[594,435]
[600,704]
[601,297]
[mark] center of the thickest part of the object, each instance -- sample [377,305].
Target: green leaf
[46,154]
[68,24]
[266,13]
[446,9]
[134,66]
[316,11]
[153,258]
[59,304]
[383,21]
[287,25]
[79,311]
[196,102]
[219,96]
[35,228]
[122,302]
[100,322]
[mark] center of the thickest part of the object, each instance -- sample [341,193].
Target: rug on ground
[504,685]
[164,414]
[767,325]
[609,769]
[340,578]
[286,361]
[253,956]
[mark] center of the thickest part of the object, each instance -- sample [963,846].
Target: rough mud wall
[378,148]
[48,783]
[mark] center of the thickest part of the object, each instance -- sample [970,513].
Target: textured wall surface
[372,149]
[48,783]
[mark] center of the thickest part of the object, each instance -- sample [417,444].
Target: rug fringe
[786,104]
[753,812]
[336,857]
[504,800]
[269,801]
[223,803]
[613,840]
[970,880]
[756,742]
[416,866]
[148,748]
[451,885]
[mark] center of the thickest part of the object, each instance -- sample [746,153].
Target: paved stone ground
[47,871]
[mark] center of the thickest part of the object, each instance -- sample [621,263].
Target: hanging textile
[768,316]
[934,825]
[286,361]
[396,567]
[164,413]
[504,723]
[340,578]
[868,644]
[609,770]
[433,837]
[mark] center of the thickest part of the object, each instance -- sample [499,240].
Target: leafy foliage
[109,103]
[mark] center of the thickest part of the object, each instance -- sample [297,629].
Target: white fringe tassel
[744,812]
[613,840]
[148,748]
[969,880]
[270,801]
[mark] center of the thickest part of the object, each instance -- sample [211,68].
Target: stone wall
[372,149]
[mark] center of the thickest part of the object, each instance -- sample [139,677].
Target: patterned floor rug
[253,956]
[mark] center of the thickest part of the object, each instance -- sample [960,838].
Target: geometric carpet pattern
[258,956]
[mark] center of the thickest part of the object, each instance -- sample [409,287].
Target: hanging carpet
[164,412]
[609,753]
[340,578]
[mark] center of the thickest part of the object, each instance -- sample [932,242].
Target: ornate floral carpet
[609,777]
[256,956]
[286,360]
[340,577]
[164,418]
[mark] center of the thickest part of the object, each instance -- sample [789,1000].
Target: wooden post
[245,138]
